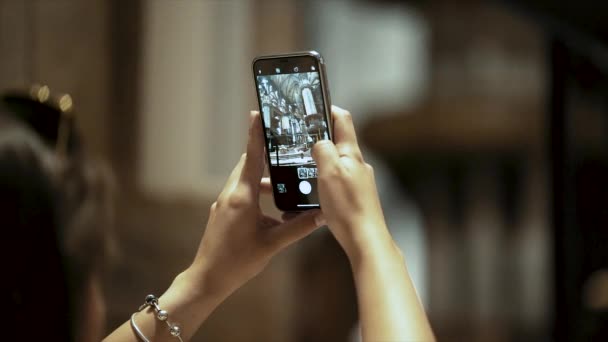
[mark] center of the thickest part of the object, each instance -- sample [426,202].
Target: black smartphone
[295,110]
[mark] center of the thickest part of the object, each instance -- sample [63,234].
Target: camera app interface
[294,118]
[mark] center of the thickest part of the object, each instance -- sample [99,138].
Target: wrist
[381,258]
[369,241]
[188,303]
[197,287]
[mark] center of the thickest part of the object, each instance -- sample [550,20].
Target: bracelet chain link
[162,315]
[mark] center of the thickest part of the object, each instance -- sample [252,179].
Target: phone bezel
[276,58]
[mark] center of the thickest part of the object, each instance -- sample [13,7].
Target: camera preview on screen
[294,119]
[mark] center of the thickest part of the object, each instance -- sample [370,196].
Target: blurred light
[42,93]
[65,103]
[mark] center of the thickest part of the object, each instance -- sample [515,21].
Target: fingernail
[320,219]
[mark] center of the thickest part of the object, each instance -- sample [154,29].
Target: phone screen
[293,107]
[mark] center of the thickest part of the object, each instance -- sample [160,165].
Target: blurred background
[485,120]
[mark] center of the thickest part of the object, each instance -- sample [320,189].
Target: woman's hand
[240,239]
[347,189]
[238,242]
[388,306]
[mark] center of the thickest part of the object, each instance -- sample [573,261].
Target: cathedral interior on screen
[294,117]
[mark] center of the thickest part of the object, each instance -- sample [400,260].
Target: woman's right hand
[347,189]
[389,308]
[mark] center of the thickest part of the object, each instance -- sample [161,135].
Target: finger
[265,185]
[254,163]
[289,215]
[345,136]
[326,156]
[234,177]
[268,221]
[295,229]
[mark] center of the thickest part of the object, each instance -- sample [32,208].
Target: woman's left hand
[240,239]
[237,244]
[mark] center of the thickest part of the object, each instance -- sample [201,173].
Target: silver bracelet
[162,315]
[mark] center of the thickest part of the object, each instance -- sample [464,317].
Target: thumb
[295,229]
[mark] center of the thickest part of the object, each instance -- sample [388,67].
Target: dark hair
[55,214]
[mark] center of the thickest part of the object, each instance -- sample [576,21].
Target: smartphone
[295,110]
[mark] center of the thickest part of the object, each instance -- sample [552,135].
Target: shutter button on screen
[305,187]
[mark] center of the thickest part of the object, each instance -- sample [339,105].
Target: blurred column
[448,275]
[377,54]
[196,72]
[15,28]
[531,253]
[483,246]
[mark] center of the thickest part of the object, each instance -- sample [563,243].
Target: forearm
[187,306]
[389,307]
